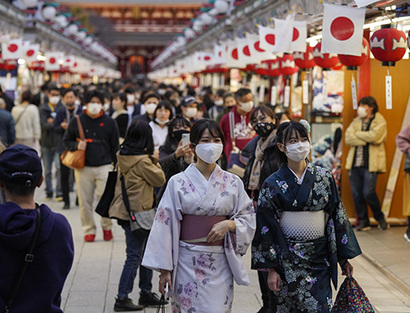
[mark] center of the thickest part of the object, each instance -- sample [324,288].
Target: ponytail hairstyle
[283,134]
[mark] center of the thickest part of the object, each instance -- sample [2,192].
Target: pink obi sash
[195,228]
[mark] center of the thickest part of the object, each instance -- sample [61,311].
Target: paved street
[92,284]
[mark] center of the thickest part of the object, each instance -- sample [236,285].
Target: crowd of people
[221,174]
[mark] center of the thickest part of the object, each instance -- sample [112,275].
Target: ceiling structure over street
[136,31]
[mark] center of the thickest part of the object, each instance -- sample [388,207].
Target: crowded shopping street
[204,156]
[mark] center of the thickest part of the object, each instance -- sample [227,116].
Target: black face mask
[264,129]
[229,109]
[178,134]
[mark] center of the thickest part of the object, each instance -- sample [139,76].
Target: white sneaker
[406,236]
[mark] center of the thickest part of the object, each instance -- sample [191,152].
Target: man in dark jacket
[64,115]
[49,141]
[101,144]
[7,127]
[43,280]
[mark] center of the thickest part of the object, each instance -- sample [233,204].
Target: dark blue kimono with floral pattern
[305,266]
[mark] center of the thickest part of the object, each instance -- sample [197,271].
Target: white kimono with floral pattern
[202,276]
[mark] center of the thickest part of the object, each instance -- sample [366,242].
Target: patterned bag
[351,298]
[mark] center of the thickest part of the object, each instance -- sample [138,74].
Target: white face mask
[150,108]
[219,102]
[191,112]
[246,106]
[161,122]
[361,112]
[94,108]
[77,102]
[130,99]
[298,151]
[209,152]
[161,91]
[106,107]
[54,100]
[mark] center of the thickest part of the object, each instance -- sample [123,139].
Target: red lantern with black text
[10,65]
[353,61]
[287,65]
[324,60]
[388,45]
[304,60]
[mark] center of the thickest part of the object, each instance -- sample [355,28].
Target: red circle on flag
[13,47]
[30,52]
[270,38]
[52,60]
[246,51]
[295,34]
[342,28]
[235,53]
[258,47]
[220,54]
[207,58]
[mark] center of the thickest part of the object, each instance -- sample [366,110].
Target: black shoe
[66,206]
[363,226]
[407,235]
[49,196]
[150,299]
[383,224]
[123,305]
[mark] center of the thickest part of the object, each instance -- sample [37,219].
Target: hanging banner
[389,101]
[261,95]
[30,52]
[284,31]
[363,3]
[219,54]
[266,38]
[305,91]
[324,90]
[258,54]
[244,53]
[299,36]
[12,50]
[354,94]
[286,97]
[273,95]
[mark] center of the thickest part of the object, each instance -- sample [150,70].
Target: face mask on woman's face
[150,108]
[219,102]
[361,112]
[130,99]
[264,129]
[94,108]
[161,122]
[298,151]
[209,152]
[246,106]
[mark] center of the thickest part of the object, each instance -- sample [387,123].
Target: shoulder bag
[237,162]
[140,222]
[75,159]
[29,257]
[104,203]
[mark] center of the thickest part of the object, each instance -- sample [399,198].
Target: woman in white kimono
[204,224]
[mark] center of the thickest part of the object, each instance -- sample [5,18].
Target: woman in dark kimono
[302,227]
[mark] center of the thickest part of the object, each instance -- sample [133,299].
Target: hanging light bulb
[49,13]
[221,6]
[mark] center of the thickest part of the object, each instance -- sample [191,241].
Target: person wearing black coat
[261,164]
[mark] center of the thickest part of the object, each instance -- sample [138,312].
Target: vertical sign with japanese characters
[389,102]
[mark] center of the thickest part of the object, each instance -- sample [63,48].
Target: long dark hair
[171,143]
[200,126]
[138,139]
[285,130]
[167,106]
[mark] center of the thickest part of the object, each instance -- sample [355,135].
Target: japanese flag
[69,61]
[284,30]
[299,36]
[244,52]
[232,56]
[12,49]
[258,54]
[52,62]
[30,52]
[219,54]
[363,3]
[342,29]
[267,37]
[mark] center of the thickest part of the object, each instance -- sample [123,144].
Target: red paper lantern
[304,60]
[324,60]
[273,69]
[353,61]
[287,65]
[261,69]
[10,65]
[388,45]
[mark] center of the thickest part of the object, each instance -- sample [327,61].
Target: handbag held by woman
[75,159]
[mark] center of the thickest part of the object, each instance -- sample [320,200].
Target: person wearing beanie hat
[40,290]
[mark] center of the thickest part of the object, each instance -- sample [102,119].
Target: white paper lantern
[49,13]
[61,20]
[189,33]
[88,40]
[72,29]
[181,41]
[29,3]
[221,6]
[205,18]
[81,35]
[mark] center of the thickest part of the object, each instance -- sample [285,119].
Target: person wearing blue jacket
[43,280]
